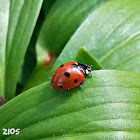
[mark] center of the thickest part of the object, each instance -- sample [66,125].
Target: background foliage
[38,36]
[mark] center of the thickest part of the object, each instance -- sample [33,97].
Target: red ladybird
[69,75]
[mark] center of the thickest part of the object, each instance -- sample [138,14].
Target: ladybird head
[85,68]
[88,69]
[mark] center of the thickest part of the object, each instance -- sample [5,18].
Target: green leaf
[38,76]
[111,34]
[107,108]
[29,62]
[4,15]
[85,57]
[47,5]
[63,19]
[23,16]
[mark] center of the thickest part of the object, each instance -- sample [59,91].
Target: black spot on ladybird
[75,81]
[62,65]
[67,74]
[60,86]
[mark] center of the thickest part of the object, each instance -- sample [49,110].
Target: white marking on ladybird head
[87,71]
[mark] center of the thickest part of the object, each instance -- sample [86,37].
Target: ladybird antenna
[81,87]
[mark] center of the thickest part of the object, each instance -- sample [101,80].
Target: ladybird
[69,75]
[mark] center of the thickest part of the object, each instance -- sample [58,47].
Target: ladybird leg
[91,71]
[82,83]
[81,87]
[90,74]
[61,92]
[83,80]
